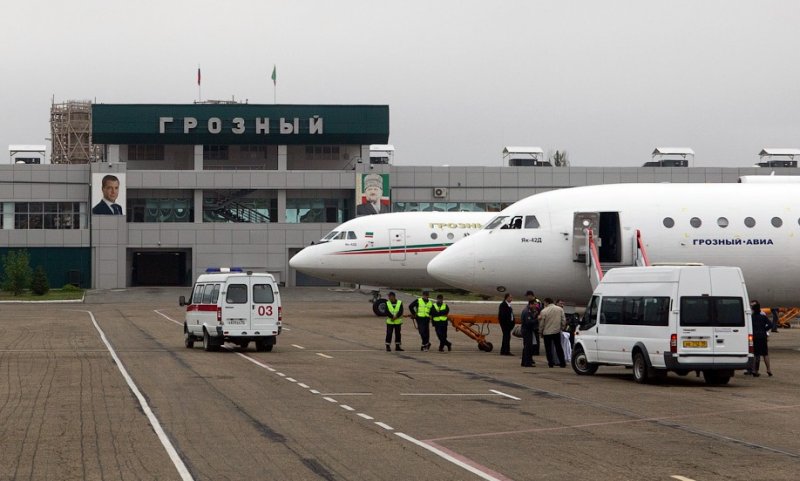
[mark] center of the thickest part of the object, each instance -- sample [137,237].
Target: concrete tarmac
[329,403]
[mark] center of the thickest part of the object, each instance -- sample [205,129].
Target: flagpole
[199,88]
[274,84]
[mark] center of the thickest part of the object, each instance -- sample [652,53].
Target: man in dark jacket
[421,310]
[505,314]
[439,320]
[529,325]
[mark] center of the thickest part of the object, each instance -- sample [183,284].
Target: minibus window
[237,294]
[262,294]
[730,311]
[590,315]
[712,311]
[215,294]
[207,293]
[197,295]
[611,310]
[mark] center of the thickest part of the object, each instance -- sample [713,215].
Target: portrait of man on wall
[108,194]
[372,194]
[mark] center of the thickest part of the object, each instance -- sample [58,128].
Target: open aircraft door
[607,236]
[582,221]
[397,244]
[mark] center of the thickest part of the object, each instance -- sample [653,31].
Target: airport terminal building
[182,187]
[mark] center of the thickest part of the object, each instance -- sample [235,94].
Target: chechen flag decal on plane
[368,235]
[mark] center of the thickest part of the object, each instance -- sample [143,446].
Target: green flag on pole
[274,75]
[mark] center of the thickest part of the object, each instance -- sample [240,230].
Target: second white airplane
[387,249]
[539,242]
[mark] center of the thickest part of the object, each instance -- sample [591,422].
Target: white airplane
[539,243]
[387,249]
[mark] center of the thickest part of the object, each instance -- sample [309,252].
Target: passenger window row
[205,294]
[723,222]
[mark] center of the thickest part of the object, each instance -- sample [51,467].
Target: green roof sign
[224,124]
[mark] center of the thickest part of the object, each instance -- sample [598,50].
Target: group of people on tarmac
[424,312]
[540,323]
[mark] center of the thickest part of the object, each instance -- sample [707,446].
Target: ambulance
[229,305]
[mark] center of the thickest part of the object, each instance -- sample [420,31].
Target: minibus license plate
[695,343]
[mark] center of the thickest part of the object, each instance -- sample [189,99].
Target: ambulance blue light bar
[211,270]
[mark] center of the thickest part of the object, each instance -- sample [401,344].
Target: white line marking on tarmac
[304,386]
[330,399]
[167,317]
[314,391]
[346,407]
[280,374]
[681,478]
[365,416]
[324,355]
[298,347]
[347,394]
[384,426]
[291,380]
[506,395]
[477,470]
[444,394]
[162,436]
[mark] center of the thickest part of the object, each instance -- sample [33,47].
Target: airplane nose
[303,261]
[455,265]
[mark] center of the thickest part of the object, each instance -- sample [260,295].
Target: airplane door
[397,244]
[582,221]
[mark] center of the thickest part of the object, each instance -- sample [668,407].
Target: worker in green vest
[394,322]
[421,310]
[439,318]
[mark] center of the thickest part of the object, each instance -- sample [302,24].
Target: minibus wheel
[208,344]
[641,371]
[580,364]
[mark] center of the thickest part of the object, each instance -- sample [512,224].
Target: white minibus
[667,318]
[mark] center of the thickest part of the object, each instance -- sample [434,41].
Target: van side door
[588,329]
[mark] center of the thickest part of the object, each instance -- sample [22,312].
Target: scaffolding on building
[71,133]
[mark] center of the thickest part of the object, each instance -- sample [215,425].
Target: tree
[559,158]
[17,272]
[39,284]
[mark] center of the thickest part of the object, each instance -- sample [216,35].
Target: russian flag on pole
[198,76]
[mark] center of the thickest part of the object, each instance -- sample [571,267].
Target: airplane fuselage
[752,226]
[387,249]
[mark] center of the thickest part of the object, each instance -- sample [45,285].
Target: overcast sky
[606,81]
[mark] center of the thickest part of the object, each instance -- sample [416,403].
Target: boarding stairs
[595,270]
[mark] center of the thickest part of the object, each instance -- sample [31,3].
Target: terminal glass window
[240,206]
[48,215]
[322,152]
[237,294]
[300,211]
[145,152]
[215,152]
[262,294]
[160,210]
[448,206]
[712,311]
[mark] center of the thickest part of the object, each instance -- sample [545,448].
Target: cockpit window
[496,222]
[341,235]
[351,235]
[531,222]
[330,235]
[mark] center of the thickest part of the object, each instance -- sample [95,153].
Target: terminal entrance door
[160,268]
